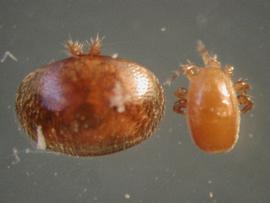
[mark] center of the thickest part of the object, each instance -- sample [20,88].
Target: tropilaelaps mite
[89,104]
[211,102]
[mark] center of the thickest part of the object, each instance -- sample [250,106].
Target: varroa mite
[89,104]
[211,102]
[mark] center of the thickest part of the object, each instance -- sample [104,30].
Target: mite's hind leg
[181,104]
[246,101]
[208,59]
[241,87]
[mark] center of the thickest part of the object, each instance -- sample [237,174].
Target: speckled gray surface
[159,34]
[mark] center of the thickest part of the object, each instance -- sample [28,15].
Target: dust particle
[10,55]
[127,196]
[163,29]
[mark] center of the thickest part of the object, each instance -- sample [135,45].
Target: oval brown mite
[89,104]
[212,103]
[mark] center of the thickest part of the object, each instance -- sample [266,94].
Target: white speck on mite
[115,55]
[41,143]
[119,98]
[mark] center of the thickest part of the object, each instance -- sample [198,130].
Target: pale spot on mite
[115,55]
[85,125]
[41,143]
[53,131]
[119,98]
[75,126]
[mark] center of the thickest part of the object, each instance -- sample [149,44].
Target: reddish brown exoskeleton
[89,104]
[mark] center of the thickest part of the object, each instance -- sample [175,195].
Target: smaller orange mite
[212,102]
[89,104]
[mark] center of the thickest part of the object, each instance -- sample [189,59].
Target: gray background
[167,167]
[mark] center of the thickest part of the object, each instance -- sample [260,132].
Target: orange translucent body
[213,112]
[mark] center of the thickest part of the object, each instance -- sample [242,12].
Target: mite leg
[228,70]
[246,101]
[241,86]
[209,60]
[181,104]
[74,48]
[189,70]
[95,45]
[181,93]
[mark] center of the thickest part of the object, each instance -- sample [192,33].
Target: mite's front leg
[74,48]
[189,70]
[210,60]
[181,104]
[228,70]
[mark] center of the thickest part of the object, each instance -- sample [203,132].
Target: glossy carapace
[212,103]
[89,104]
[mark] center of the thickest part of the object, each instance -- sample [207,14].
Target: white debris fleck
[250,135]
[163,29]
[16,156]
[10,55]
[127,196]
[115,55]
[211,195]
[27,151]
[209,181]
[41,143]
[119,98]
[55,174]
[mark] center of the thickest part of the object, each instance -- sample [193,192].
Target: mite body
[89,104]
[212,103]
